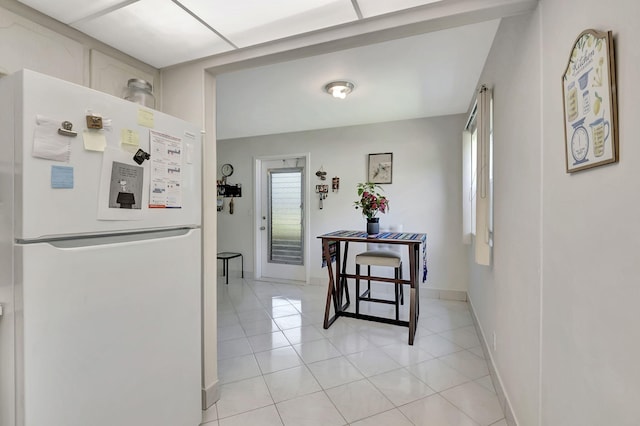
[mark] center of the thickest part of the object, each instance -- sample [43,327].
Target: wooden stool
[379,258]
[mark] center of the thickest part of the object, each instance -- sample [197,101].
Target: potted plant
[371,202]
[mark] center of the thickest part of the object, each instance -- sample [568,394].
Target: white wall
[562,292]
[591,251]
[506,296]
[425,195]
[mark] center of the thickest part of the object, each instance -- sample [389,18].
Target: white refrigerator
[100,259]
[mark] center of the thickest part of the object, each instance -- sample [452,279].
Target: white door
[282,227]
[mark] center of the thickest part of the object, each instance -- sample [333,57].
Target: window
[469,168]
[285,224]
[477,177]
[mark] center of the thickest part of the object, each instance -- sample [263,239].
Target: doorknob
[262,228]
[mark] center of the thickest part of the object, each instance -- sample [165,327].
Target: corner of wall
[210,395]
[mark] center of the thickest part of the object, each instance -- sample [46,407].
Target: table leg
[412,297]
[416,252]
[331,286]
[343,280]
[338,281]
[225,269]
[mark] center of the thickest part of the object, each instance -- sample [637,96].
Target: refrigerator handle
[94,240]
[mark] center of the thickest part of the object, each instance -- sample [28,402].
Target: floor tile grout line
[463,411]
[344,355]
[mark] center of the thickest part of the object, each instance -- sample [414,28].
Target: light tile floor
[278,366]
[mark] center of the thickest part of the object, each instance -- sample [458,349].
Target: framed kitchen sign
[590,104]
[380,168]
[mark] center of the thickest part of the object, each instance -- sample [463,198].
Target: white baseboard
[495,377]
[434,293]
[210,396]
[318,281]
[431,293]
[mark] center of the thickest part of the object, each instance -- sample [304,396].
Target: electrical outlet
[494,341]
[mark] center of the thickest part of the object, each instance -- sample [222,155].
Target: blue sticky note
[61,177]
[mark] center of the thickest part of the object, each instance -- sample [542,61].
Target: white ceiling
[426,75]
[407,58]
[167,32]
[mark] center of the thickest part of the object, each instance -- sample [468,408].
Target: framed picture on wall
[380,168]
[590,105]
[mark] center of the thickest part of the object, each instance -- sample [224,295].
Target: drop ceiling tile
[68,11]
[157,32]
[249,22]
[371,8]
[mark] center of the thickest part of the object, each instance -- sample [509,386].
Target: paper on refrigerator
[121,195]
[165,190]
[48,143]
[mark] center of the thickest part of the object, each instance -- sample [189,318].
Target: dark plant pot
[373,225]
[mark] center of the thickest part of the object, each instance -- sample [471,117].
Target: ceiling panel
[427,75]
[249,22]
[68,11]
[155,31]
[371,8]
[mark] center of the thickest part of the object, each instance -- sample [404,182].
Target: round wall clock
[227,170]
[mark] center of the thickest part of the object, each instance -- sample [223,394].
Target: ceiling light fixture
[339,89]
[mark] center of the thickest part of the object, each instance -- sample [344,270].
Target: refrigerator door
[43,212]
[7,336]
[7,365]
[110,331]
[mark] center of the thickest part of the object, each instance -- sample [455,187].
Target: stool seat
[380,255]
[225,256]
[379,258]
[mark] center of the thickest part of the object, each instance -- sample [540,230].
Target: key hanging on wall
[322,190]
